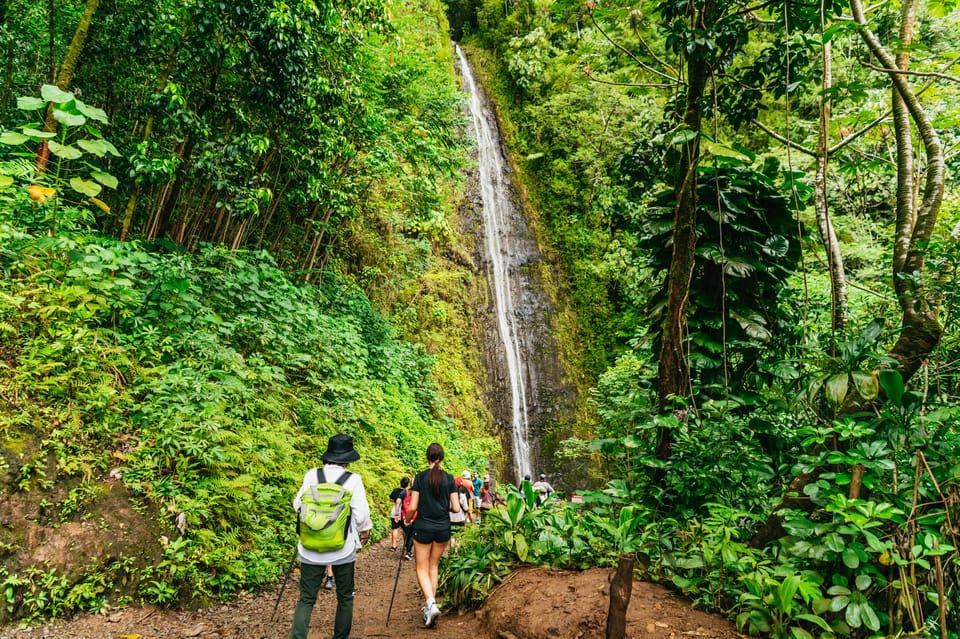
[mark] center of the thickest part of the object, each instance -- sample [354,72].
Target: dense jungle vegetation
[228,231]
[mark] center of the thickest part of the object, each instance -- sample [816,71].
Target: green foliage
[77,150]
[208,383]
[746,250]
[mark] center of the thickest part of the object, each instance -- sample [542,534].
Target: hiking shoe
[328,583]
[408,556]
[430,613]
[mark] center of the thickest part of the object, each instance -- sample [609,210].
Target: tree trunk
[147,130]
[673,371]
[621,586]
[65,74]
[166,212]
[921,329]
[838,279]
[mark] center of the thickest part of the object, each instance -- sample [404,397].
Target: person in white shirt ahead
[339,454]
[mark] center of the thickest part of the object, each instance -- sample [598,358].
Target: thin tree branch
[780,138]
[587,71]
[633,56]
[923,74]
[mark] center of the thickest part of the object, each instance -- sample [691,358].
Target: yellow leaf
[40,193]
[100,204]
[129,636]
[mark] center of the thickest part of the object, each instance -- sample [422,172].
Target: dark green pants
[311,578]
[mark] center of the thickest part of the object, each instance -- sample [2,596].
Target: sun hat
[542,476]
[465,474]
[340,450]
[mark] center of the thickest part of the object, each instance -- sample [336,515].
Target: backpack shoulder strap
[343,478]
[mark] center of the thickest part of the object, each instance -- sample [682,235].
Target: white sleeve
[359,505]
[309,479]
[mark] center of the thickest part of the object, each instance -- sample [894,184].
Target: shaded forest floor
[530,604]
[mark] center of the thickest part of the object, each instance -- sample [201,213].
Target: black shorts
[396,524]
[421,536]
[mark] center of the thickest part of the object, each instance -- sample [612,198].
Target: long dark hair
[436,476]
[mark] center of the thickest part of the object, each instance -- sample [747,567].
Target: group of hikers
[424,514]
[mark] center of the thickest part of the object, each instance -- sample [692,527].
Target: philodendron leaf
[92,112]
[13,138]
[105,179]
[30,104]
[64,151]
[52,93]
[68,119]
[97,147]
[86,187]
[38,134]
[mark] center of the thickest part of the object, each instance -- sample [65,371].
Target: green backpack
[324,515]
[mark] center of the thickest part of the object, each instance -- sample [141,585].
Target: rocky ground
[530,604]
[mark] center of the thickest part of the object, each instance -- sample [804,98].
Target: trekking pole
[397,578]
[284,584]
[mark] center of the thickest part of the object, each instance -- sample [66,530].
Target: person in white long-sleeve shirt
[339,454]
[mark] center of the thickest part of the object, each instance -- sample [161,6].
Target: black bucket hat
[340,450]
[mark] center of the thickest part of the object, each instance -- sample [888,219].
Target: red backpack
[406,508]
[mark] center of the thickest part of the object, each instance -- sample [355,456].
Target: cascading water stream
[497,207]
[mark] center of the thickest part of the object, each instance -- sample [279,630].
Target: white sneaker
[430,614]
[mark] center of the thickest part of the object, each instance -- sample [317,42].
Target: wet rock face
[526,393]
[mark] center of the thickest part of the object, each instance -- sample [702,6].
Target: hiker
[433,497]
[313,564]
[396,516]
[458,520]
[542,488]
[477,484]
[465,485]
[486,499]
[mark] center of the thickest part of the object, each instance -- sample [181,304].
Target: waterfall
[499,215]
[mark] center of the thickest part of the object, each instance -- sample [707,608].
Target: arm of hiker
[455,502]
[360,508]
[398,508]
[412,508]
[303,488]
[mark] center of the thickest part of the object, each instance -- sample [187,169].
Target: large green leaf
[892,384]
[52,93]
[67,118]
[92,112]
[5,181]
[836,388]
[37,134]
[86,187]
[105,179]
[64,151]
[25,103]
[13,138]
[776,246]
[866,384]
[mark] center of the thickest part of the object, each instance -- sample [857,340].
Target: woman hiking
[433,496]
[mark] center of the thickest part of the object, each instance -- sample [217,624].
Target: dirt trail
[530,604]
